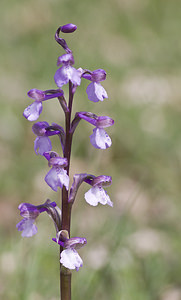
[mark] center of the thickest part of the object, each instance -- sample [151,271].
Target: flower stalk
[58,175]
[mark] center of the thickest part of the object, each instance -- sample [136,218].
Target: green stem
[65,274]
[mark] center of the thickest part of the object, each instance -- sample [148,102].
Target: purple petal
[39,128]
[58,162]
[57,177]
[65,59]
[98,75]
[33,111]
[36,94]
[96,92]
[52,180]
[104,121]
[89,117]
[42,143]
[66,73]
[75,243]
[102,180]
[27,227]
[70,259]
[100,139]
[28,211]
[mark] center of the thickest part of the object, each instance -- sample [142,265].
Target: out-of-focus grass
[133,250]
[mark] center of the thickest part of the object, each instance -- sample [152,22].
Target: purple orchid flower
[95,91]
[99,139]
[69,257]
[42,143]
[97,194]
[67,72]
[33,111]
[43,130]
[29,213]
[57,176]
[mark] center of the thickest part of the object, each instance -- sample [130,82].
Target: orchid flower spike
[33,111]
[57,176]
[69,257]
[95,91]
[29,213]
[97,194]
[67,72]
[99,139]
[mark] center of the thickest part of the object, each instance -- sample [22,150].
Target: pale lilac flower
[99,139]
[33,111]
[43,130]
[42,143]
[57,176]
[29,213]
[97,194]
[69,257]
[95,90]
[67,72]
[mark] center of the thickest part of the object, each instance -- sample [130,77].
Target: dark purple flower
[67,72]
[95,91]
[69,257]
[57,176]
[99,139]
[33,111]
[29,213]
[97,194]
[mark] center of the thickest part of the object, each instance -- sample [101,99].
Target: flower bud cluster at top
[58,175]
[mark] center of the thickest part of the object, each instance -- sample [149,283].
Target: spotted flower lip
[33,111]
[69,257]
[97,194]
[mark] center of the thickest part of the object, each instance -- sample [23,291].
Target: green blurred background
[134,249]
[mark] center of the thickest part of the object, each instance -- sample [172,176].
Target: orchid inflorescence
[58,175]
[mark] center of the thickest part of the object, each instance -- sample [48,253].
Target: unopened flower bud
[68,28]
